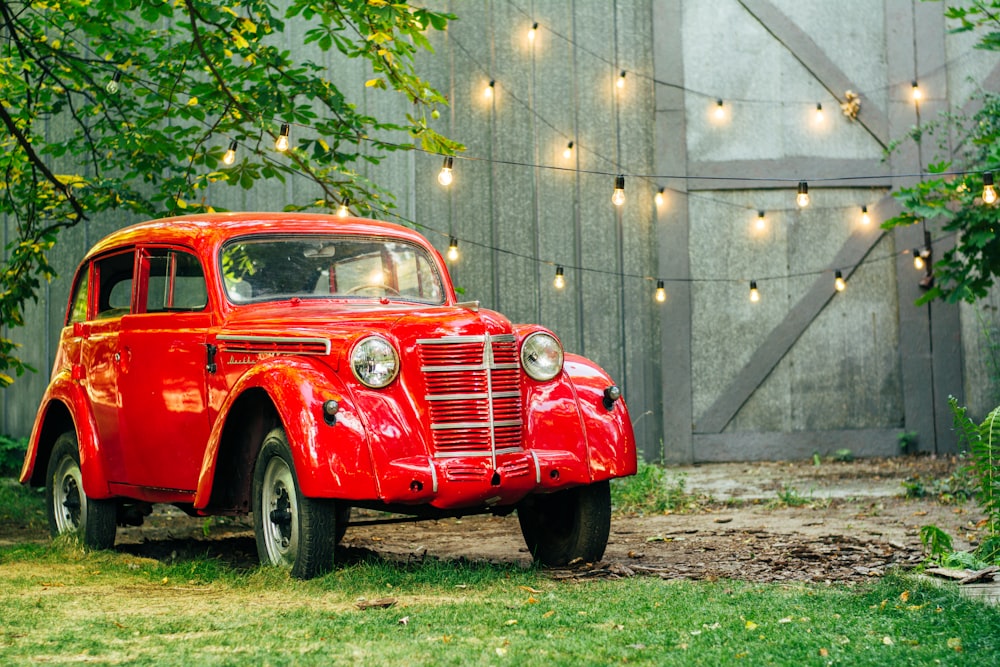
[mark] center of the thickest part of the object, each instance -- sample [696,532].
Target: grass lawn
[61,604]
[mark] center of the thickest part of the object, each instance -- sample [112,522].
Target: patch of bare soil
[758,522]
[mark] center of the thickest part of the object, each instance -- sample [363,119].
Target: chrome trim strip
[325,342]
[450,340]
[434,475]
[538,468]
[468,367]
[481,394]
[460,425]
[477,452]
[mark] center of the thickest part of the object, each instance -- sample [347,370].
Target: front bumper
[473,481]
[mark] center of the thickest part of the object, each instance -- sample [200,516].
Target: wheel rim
[280,509]
[68,506]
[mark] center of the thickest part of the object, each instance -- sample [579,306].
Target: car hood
[404,322]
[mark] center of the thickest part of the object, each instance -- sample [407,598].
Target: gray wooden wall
[707,375]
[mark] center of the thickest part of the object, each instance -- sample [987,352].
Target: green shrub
[652,490]
[11,455]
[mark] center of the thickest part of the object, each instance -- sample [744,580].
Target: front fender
[65,406]
[331,461]
[609,436]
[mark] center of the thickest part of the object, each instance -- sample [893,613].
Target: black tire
[292,531]
[68,508]
[567,525]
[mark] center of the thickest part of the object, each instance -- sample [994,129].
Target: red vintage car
[293,366]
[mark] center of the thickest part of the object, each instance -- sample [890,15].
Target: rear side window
[78,309]
[176,282]
[114,284]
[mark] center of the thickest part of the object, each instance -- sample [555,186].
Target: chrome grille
[473,393]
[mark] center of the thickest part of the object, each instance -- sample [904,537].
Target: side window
[81,293]
[176,282]
[114,284]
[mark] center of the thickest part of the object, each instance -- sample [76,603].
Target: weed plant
[11,455]
[653,490]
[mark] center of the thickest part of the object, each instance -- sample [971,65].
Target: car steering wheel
[385,288]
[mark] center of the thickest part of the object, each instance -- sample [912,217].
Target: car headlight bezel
[374,362]
[541,356]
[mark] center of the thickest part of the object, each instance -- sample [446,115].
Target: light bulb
[720,109]
[621,80]
[453,249]
[917,93]
[112,86]
[658,197]
[838,281]
[532,31]
[802,198]
[281,143]
[568,152]
[488,91]
[865,218]
[989,192]
[445,176]
[819,112]
[559,281]
[618,198]
[661,292]
[761,220]
[343,211]
[230,156]
[918,259]
[754,294]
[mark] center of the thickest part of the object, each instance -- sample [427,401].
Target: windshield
[273,268]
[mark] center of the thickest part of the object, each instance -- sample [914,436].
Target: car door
[100,355]
[163,372]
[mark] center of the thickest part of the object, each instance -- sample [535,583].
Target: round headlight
[374,362]
[541,356]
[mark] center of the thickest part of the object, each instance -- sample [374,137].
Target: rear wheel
[567,525]
[292,531]
[67,505]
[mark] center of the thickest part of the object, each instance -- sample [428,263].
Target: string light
[113,86]
[865,218]
[720,109]
[488,91]
[916,92]
[621,80]
[838,281]
[568,152]
[819,112]
[618,198]
[343,211]
[754,294]
[989,192]
[761,220]
[532,31]
[661,292]
[920,257]
[453,249]
[445,176]
[559,281]
[802,198]
[281,143]
[230,155]
[658,197]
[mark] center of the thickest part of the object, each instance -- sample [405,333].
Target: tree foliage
[952,197]
[131,105]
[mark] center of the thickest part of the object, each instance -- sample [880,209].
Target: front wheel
[292,531]
[68,507]
[567,525]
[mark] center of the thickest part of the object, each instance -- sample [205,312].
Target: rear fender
[64,408]
[331,460]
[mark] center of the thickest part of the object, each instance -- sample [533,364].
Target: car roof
[203,231]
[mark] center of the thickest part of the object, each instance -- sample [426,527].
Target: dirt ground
[760,522]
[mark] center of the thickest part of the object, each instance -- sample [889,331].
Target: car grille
[473,393]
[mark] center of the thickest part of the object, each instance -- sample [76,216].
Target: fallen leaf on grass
[381,603]
[751,625]
[888,641]
[512,621]
[532,600]
[904,596]
[549,614]
[823,652]
[403,621]
[955,644]
[530,589]
[786,619]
